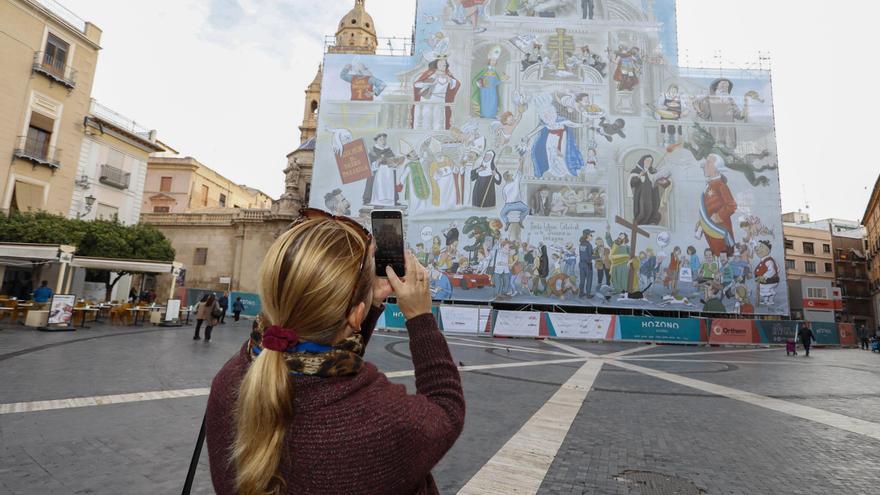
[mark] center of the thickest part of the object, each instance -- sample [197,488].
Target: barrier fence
[532,324]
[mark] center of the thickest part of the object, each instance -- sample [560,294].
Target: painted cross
[633,238]
[561,44]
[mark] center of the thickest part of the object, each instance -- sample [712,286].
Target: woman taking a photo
[298,410]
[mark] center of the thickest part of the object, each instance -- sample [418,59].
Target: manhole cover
[651,483]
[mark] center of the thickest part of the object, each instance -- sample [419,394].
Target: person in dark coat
[223,301]
[805,335]
[299,410]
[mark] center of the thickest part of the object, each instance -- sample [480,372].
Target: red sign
[733,332]
[353,163]
[823,304]
[361,89]
[847,334]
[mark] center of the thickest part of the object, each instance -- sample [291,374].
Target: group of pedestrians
[211,311]
[867,339]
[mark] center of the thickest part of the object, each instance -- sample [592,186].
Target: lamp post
[90,201]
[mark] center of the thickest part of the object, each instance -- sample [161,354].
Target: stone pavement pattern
[629,421]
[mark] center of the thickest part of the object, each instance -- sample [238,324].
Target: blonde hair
[309,278]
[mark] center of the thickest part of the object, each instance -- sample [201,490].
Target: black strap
[197,453]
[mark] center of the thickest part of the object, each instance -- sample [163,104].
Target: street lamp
[90,201]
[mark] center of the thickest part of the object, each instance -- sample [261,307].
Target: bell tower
[356,34]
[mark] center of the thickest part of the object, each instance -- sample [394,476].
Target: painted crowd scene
[554,152]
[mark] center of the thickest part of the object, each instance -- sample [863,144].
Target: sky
[223,80]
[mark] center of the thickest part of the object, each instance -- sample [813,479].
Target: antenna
[806,198]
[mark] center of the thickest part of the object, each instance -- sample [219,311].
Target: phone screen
[388,232]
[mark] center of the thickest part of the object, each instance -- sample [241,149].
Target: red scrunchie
[279,339]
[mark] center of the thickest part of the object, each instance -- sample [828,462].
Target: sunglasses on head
[315,214]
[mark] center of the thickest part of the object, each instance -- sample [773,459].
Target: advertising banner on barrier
[580,326]
[394,317]
[682,330]
[486,320]
[847,334]
[459,319]
[250,301]
[723,331]
[517,324]
[826,333]
[777,331]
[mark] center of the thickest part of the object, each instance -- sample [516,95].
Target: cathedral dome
[357,18]
[356,33]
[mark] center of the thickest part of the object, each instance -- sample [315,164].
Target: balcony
[37,151]
[114,177]
[55,69]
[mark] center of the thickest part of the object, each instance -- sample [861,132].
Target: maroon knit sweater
[357,434]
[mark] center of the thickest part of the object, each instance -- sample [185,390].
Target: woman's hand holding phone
[413,291]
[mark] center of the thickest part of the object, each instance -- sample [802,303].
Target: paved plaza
[116,410]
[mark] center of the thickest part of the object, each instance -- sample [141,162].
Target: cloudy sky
[223,80]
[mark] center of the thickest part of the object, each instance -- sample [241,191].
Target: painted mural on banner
[552,151]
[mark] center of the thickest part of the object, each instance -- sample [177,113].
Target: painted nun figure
[555,151]
[486,177]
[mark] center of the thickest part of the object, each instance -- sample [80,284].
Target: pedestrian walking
[208,311]
[237,308]
[805,335]
[223,301]
[299,410]
[862,333]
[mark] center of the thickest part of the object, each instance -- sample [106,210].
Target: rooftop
[63,13]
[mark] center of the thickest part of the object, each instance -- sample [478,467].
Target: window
[201,257]
[314,107]
[39,136]
[165,184]
[810,266]
[809,248]
[828,268]
[789,244]
[204,195]
[161,209]
[106,212]
[817,293]
[826,248]
[308,192]
[27,197]
[222,201]
[55,56]
[790,265]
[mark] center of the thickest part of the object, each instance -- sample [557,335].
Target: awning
[33,252]
[28,197]
[133,266]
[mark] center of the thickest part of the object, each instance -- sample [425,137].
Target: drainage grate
[651,483]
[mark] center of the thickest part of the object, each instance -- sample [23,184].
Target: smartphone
[388,233]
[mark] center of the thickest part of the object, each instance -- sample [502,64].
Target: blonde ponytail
[265,406]
[307,278]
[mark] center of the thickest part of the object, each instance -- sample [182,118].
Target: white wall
[128,201]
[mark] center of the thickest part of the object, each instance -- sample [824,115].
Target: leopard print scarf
[342,359]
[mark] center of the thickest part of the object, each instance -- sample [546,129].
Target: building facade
[112,167]
[182,184]
[49,57]
[871,221]
[809,264]
[851,276]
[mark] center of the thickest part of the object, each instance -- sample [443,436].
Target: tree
[98,238]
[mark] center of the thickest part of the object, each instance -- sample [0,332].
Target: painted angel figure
[504,126]
[555,150]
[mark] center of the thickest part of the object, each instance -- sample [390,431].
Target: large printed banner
[517,324]
[576,326]
[553,152]
[777,331]
[733,332]
[826,333]
[671,330]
